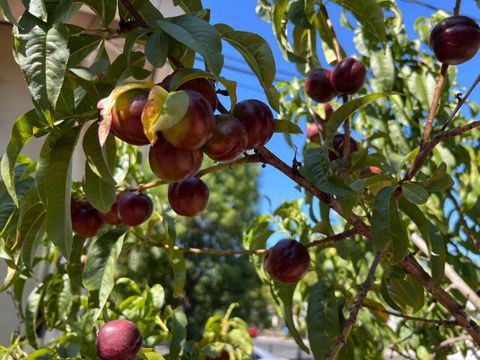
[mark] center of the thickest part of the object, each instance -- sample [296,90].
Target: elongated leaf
[75,267]
[105,9]
[437,254]
[101,159]
[287,127]
[100,193]
[369,14]
[322,319]
[23,131]
[283,299]
[199,36]
[387,225]
[415,193]
[156,49]
[316,171]
[99,271]
[31,311]
[55,181]
[407,292]
[42,56]
[258,55]
[279,23]
[179,334]
[7,12]
[347,109]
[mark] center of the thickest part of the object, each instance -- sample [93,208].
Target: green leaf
[383,69]
[42,56]
[156,49]
[198,35]
[105,9]
[370,15]
[101,159]
[283,301]
[41,354]
[100,193]
[320,23]
[54,180]
[287,127]
[31,311]
[322,319]
[30,226]
[347,109]
[7,12]
[75,266]
[163,110]
[23,131]
[279,23]
[256,52]
[316,171]
[437,254]
[102,257]
[407,292]
[415,193]
[179,334]
[387,225]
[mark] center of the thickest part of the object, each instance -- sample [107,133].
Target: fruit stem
[342,339]
[221,108]
[456,9]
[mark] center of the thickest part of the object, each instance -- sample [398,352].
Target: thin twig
[223,252]
[447,323]
[434,105]
[253,158]
[460,103]
[342,339]
[346,145]
[450,342]
[466,228]
[138,17]
[456,9]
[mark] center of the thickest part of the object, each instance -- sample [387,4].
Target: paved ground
[283,348]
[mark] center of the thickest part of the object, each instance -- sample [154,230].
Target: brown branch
[336,44]
[466,228]
[253,158]
[456,9]
[324,242]
[448,323]
[342,339]
[411,266]
[332,239]
[450,342]
[434,106]
[427,150]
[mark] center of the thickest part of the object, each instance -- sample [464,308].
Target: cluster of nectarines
[177,154]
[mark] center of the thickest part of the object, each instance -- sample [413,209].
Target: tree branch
[411,266]
[342,339]
[138,17]
[450,342]
[336,44]
[434,106]
[321,243]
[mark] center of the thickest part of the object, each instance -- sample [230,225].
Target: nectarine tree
[385,226]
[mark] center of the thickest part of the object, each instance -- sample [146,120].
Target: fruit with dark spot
[455,40]
[171,164]
[86,220]
[188,197]
[127,117]
[287,261]
[202,85]
[318,85]
[119,340]
[111,216]
[258,121]
[229,139]
[338,145]
[196,126]
[134,208]
[348,76]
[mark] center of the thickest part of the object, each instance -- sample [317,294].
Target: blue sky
[241,16]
